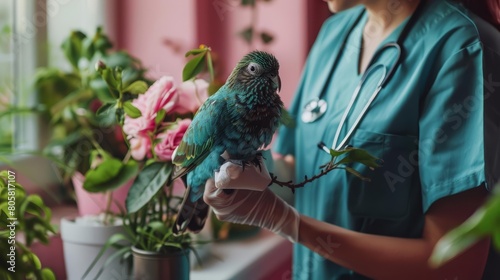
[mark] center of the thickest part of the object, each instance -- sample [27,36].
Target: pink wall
[286,21]
[145,26]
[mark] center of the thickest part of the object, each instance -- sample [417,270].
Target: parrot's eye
[254,68]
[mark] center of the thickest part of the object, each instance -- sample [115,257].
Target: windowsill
[37,175]
[263,256]
[257,257]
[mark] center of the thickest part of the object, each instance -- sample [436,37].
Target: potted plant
[26,215]
[84,134]
[78,132]
[153,123]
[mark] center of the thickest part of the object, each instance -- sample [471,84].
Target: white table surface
[251,258]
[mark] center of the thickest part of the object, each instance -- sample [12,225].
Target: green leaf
[104,108]
[126,173]
[72,98]
[72,47]
[193,67]
[210,67]
[20,110]
[106,170]
[131,110]
[120,115]
[484,222]
[152,178]
[454,242]
[196,51]
[102,91]
[157,226]
[496,238]
[357,174]
[160,116]
[137,87]
[47,274]
[336,153]
[100,41]
[107,116]
[247,35]
[360,156]
[109,77]
[266,37]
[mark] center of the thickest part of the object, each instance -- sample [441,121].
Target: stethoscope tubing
[381,84]
[363,112]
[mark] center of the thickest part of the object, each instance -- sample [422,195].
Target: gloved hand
[251,202]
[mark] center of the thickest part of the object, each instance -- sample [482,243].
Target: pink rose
[161,95]
[133,127]
[142,124]
[140,147]
[191,95]
[170,139]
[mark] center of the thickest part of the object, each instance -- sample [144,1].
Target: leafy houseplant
[71,99]
[153,125]
[22,214]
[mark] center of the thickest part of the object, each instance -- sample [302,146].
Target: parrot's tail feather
[192,215]
[178,172]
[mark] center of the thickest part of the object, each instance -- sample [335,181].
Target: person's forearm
[382,257]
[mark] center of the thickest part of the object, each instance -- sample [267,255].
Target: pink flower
[140,147]
[191,95]
[142,125]
[170,139]
[161,95]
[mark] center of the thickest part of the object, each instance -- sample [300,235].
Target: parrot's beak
[277,81]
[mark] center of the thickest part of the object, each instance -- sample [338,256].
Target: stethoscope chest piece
[314,110]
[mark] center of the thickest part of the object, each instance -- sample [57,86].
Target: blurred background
[156,32]
[35,75]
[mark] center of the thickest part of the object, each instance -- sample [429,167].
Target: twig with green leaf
[339,160]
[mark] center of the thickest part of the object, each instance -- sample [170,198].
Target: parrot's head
[257,70]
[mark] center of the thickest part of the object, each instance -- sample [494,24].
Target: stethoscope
[317,107]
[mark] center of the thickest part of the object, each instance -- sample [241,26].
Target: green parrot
[240,118]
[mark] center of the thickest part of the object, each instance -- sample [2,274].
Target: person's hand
[235,176]
[250,202]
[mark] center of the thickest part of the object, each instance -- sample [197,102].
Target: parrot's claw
[256,161]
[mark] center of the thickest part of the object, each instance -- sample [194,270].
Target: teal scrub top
[427,125]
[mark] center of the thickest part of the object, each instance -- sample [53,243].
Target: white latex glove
[234,176]
[250,202]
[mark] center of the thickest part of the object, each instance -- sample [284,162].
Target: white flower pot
[82,242]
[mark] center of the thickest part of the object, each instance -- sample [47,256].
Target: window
[31,32]
[6,72]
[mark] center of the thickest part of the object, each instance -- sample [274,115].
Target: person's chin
[336,6]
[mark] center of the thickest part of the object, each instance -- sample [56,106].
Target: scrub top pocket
[388,194]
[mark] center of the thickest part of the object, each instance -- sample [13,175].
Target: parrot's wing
[199,139]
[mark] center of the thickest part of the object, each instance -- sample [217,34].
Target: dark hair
[489,10]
